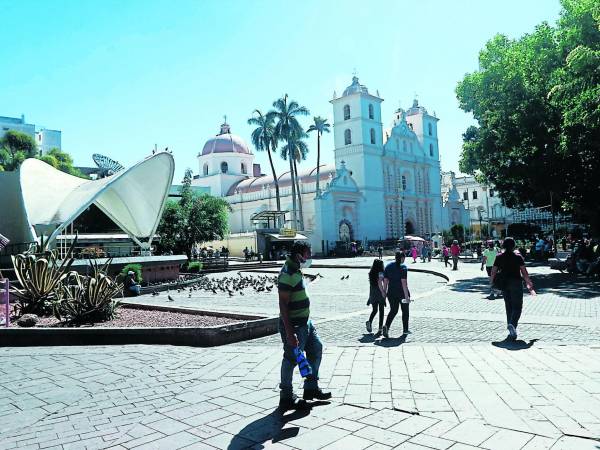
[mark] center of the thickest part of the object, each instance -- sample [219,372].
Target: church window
[397,144]
[491,192]
[465,195]
[403,182]
[371,115]
[224,167]
[205,169]
[346,112]
[372,135]
[429,128]
[404,145]
[244,171]
[430,149]
[474,195]
[347,137]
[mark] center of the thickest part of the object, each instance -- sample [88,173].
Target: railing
[5,301]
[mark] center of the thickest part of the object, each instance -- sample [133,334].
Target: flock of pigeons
[230,285]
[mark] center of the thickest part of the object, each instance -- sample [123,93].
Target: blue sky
[118,77]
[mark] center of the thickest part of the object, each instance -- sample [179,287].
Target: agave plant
[82,298]
[39,275]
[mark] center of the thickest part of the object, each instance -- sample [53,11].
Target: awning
[279,237]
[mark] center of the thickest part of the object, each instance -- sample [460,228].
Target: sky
[118,77]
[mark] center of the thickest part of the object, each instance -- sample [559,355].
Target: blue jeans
[309,342]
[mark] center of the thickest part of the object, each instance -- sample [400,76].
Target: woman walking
[376,294]
[446,254]
[413,253]
[395,284]
[508,274]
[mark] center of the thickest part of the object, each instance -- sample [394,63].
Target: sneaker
[316,394]
[512,331]
[293,402]
[378,332]
[369,327]
[407,332]
[385,332]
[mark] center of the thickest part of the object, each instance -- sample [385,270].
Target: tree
[286,114]
[296,149]
[208,219]
[458,232]
[536,100]
[62,161]
[320,126]
[170,229]
[16,147]
[264,138]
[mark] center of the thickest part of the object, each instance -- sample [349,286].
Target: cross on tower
[225,118]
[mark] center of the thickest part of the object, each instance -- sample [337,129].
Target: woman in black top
[510,267]
[376,294]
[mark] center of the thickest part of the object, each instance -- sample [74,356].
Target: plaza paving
[448,386]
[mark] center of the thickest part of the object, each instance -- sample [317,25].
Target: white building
[383,185]
[44,138]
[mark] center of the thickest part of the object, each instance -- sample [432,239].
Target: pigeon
[171,299]
[154,293]
[319,275]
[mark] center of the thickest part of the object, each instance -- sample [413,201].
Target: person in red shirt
[455,251]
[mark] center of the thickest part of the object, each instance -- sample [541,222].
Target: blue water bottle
[303,365]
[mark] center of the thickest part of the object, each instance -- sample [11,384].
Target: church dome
[225,142]
[355,87]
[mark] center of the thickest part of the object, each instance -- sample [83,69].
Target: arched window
[371,115]
[403,182]
[347,137]
[224,167]
[346,112]
[205,169]
[372,135]
[244,170]
[429,128]
[430,149]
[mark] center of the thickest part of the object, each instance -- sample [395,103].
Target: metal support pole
[6,301]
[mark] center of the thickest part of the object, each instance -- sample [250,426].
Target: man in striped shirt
[297,330]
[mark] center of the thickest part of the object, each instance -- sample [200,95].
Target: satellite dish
[107,165]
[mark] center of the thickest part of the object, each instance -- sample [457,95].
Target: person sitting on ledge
[131,288]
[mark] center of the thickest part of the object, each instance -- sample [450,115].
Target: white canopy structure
[40,201]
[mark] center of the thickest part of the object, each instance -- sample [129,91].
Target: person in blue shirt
[398,295]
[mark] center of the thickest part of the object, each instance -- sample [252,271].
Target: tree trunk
[318,162]
[274,180]
[299,192]
[294,220]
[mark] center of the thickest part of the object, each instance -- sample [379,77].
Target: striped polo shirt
[291,280]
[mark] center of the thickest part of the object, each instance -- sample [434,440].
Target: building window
[224,167]
[430,149]
[404,145]
[474,195]
[371,115]
[244,171]
[397,144]
[429,128]
[347,137]
[205,169]
[491,192]
[403,182]
[346,112]
[466,195]
[372,136]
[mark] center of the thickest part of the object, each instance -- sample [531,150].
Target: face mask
[306,264]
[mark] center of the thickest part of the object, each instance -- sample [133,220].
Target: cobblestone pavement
[449,385]
[410,397]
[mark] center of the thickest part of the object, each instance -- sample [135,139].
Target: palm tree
[286,114]
[295,150]
[320,126]
[263,138]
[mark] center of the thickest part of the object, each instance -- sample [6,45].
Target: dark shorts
[488,270]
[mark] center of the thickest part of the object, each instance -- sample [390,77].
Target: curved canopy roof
[133,198]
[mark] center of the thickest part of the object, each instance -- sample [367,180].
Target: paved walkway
[447,386]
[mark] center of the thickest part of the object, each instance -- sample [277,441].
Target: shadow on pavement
[269,428]
[367,338]
[559,284]
[515,345]
[391,342]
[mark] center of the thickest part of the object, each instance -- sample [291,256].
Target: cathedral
[385,182]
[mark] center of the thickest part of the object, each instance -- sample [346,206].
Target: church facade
[385,182]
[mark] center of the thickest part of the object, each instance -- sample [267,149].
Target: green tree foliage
[458,232]
[16,147]
[192,220]
[62,161]
[537,103]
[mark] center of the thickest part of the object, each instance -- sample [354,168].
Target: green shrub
[136,268]
[194,267]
